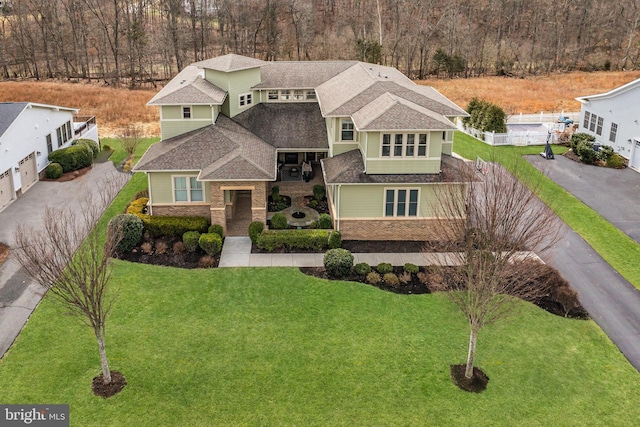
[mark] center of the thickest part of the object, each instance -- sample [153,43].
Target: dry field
[116,108]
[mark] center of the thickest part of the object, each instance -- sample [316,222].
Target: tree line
[144,41]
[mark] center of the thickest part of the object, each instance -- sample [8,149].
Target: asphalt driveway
[19,295]
[610,299]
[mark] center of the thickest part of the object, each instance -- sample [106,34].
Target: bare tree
[495,220]
[77,279]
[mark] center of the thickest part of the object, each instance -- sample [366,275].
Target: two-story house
[234,124]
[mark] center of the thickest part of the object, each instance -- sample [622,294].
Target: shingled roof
[299,74]
[188,87]
[295,125]
[348,168]
[224,151]
[9,111]
[230,62]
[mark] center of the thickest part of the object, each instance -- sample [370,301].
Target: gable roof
[299,74]
[390,112]
[230,62]
[188,87]
[613,92]
[224,151]
[9,112]
[284,125]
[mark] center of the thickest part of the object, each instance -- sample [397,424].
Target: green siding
[367,201]
[343,148]
[171,112]
[218,78]
[171,128]
[435,144]
[447,147]
[161,187]
[396,165]
[373,144]
[201,112]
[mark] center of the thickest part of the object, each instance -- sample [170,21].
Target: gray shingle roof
[224,151]
[348,168]
[188,87]
[389,112]
[295,125]
[9,111]
[230,62]
[299,74]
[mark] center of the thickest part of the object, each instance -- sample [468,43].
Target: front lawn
[272,346]
[120,154]
[618,249]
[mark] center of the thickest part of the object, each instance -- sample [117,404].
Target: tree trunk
[106,373]
[472,352]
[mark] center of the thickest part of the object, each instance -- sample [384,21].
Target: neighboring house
[613,119]
[28,133]
[234,124]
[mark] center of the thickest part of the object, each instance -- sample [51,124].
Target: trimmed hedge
[325,222]
[216,228]
[271,240]
[130,231]
[167,225]
[384,268]
[255,228]
[89,144]
[72,158]
[411,268]
[338,262]
[137,206]
[191,240]
[211,243]
[53,171]
[278,222]
[362,268]
[335,239]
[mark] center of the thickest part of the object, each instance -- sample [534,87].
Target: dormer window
[245,100]
[186,112]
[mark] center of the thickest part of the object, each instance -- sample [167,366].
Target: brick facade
[381,229]
[182,210]
[219,208]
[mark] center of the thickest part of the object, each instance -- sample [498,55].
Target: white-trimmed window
[187,189]
[613,132]
[599,126]
[347,130]
[592,123]
[245,99]
[587,118]
[186,112]
[272,95]
[285,95]
[69,132]
[298,95]
[404,145]
[64,133]
[401,201]
[49,144]
[311,95]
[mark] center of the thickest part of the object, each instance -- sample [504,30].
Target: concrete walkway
[19,295]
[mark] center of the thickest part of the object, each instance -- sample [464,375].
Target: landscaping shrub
[319,192]
[325,222]
[178,248]
[615,161]
[335,239]
[362,268]
[605,152]
[89,145]
[485,116]
[216,228]
[270,240]
[255,228]
[161,247]
[191,240]
[106,147]
[577,138]
[173,225]
[206,261]
[586,152]
[411,268]
[314,224]
[138,206]
[338,262]
[146,247]
[373,278]
[313,204]
[53,171]
[72,158]
[384,268]
[391,279]
[278,222]
[129,228]
[211,243]
[275,194]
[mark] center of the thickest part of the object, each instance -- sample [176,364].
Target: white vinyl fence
[512,137]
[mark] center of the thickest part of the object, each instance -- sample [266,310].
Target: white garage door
[6,189]
[634,162]
[28,174]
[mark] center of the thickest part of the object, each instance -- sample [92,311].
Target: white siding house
[613,118]
[28,133]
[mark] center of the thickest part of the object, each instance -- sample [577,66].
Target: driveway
[19,295]
[611,300]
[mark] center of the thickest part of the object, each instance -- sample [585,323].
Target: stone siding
[183,210]
[381,229]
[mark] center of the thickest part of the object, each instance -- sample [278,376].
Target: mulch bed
[116,385]
[372,246]
[168,258]
[4,253]
[69,176]
[476,384]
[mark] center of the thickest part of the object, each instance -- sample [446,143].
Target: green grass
[119,154]
[271,346]
[618,249]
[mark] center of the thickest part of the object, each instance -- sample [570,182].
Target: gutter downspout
[338,208]
[149,186]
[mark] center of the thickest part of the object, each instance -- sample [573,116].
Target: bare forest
[141,42]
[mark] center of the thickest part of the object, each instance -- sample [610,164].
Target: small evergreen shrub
[313,225]
[255,228]
[384,268]
[325,222]
[53,171]
[191,240]
[89,145]
[390,279]
[127,228]
[615,161]
[411,268]
[335,239]
[586,152]
[319,192]
[577,138]
[373,278]
[362,268]
[279,222]
[275,194]
[338,262]
[605,153]
[270,240]
[313,204]
[72,158]
[211,243]
[216,228]
[138,206]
